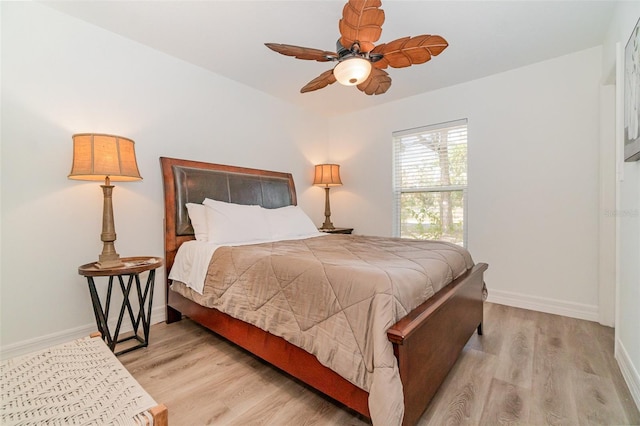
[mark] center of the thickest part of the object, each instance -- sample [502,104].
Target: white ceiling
[227,37]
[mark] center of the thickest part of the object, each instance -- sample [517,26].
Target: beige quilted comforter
[335,296]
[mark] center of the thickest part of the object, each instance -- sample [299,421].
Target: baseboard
[43,342]
[629,372]
[543,304]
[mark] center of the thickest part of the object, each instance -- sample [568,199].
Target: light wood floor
[528,368]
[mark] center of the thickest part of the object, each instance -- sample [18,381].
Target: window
[430,182]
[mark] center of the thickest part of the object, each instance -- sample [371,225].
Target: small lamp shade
[327,175]
[352,71]
[97,156]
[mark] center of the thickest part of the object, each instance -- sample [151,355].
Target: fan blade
[323,80]
[362,22]
[302,52]
[409,51]
[377,83]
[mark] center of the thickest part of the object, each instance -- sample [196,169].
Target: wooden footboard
[428,341]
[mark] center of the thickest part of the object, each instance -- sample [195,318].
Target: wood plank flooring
[527,368]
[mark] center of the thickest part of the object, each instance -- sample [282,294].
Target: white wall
[607,205]
[628,219]
[533,176]
[61,76]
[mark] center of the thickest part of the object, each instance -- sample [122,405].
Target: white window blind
[430,182]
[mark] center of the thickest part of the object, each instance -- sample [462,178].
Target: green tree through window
[430,182]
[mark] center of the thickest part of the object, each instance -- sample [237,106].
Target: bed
[426,342]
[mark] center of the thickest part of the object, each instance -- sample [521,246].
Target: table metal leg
[101,316]
[142,317]
[145,299]
[126,305]
[148,296]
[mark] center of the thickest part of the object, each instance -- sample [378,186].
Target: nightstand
[337,230]
[133,267]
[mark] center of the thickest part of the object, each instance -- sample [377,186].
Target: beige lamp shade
[98,156]
[327,175]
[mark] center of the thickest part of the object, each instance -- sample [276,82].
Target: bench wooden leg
[160,415]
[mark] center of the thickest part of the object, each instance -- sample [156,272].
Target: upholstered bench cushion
[79,382]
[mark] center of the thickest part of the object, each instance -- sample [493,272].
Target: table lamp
[327,175]
[97,157]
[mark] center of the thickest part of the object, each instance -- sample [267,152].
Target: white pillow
[235,223]
[198,221]
[288,222]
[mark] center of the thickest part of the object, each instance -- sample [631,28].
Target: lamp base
[109,258]
[327,226]
[109,261]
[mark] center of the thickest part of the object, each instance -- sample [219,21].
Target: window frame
[397,192]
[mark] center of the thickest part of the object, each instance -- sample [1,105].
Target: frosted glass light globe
[352,71]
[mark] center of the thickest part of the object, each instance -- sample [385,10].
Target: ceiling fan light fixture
[352,71]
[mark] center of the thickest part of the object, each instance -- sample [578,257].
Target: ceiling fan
[359,62]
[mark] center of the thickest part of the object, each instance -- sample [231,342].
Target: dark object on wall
[632,96]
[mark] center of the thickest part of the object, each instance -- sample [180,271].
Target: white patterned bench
[76,383]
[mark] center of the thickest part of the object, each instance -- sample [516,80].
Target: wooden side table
[133,267]
[337,230]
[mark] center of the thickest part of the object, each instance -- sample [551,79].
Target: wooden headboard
[188,181]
